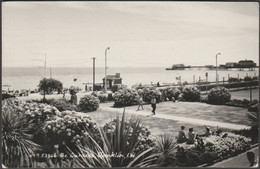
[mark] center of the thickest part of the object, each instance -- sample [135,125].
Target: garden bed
[230,157]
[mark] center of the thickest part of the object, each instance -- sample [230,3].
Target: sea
[19,78]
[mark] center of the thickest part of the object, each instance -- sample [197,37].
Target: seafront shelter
[112,80]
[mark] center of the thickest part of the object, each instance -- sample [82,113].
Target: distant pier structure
[241,65]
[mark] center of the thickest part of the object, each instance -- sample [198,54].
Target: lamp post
[217,68]
[106,69]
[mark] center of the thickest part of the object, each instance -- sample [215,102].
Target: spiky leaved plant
[116,151]
[165,147]
[17,147]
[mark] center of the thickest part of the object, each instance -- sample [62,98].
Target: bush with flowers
[172,93]
[125,97]
[62,104]
[215,147]
[37,113]
[140,92]
[145,139]
[150,92]
[102,97]
[67,130]
[219,95]
[191,93]
[88,103]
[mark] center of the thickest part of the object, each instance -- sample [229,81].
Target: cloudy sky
[154,34]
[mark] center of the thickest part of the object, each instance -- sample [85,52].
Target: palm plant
[116,150]
[17,147]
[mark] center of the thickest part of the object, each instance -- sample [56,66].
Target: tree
[47,86]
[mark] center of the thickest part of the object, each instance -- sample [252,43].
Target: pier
[213,67]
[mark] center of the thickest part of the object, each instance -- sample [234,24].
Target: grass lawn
[205,111]
[196,110]
[157,125]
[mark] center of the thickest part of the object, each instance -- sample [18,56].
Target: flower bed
[68,130]
[88,103]
[219,95]
[38,113]
[210,149]
[125,97]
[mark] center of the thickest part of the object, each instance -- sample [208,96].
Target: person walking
[140,102]
[153,102]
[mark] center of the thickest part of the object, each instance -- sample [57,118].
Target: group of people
[191,136]
[141,102]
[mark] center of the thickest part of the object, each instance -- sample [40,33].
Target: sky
[139,34]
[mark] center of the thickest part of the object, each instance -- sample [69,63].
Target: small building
[112,80]
[98,87]
[246,64]
[178,67]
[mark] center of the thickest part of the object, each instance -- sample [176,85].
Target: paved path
[108,107]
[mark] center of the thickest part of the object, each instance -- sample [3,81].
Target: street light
[106,69]
[217,68]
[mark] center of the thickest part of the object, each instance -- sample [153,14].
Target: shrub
[140,92]
[63,104]
[248,78]
[219,95]
[191,94]
[148,93]
[88,103]
[68,130]
[117,87]
[7,96]
[125,97]
[232,79]
[17,144]
[172,93]
[102,97]
[251,133]
[204,99]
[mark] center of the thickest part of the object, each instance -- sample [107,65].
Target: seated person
[191,136]
[181,138]
[208,132]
